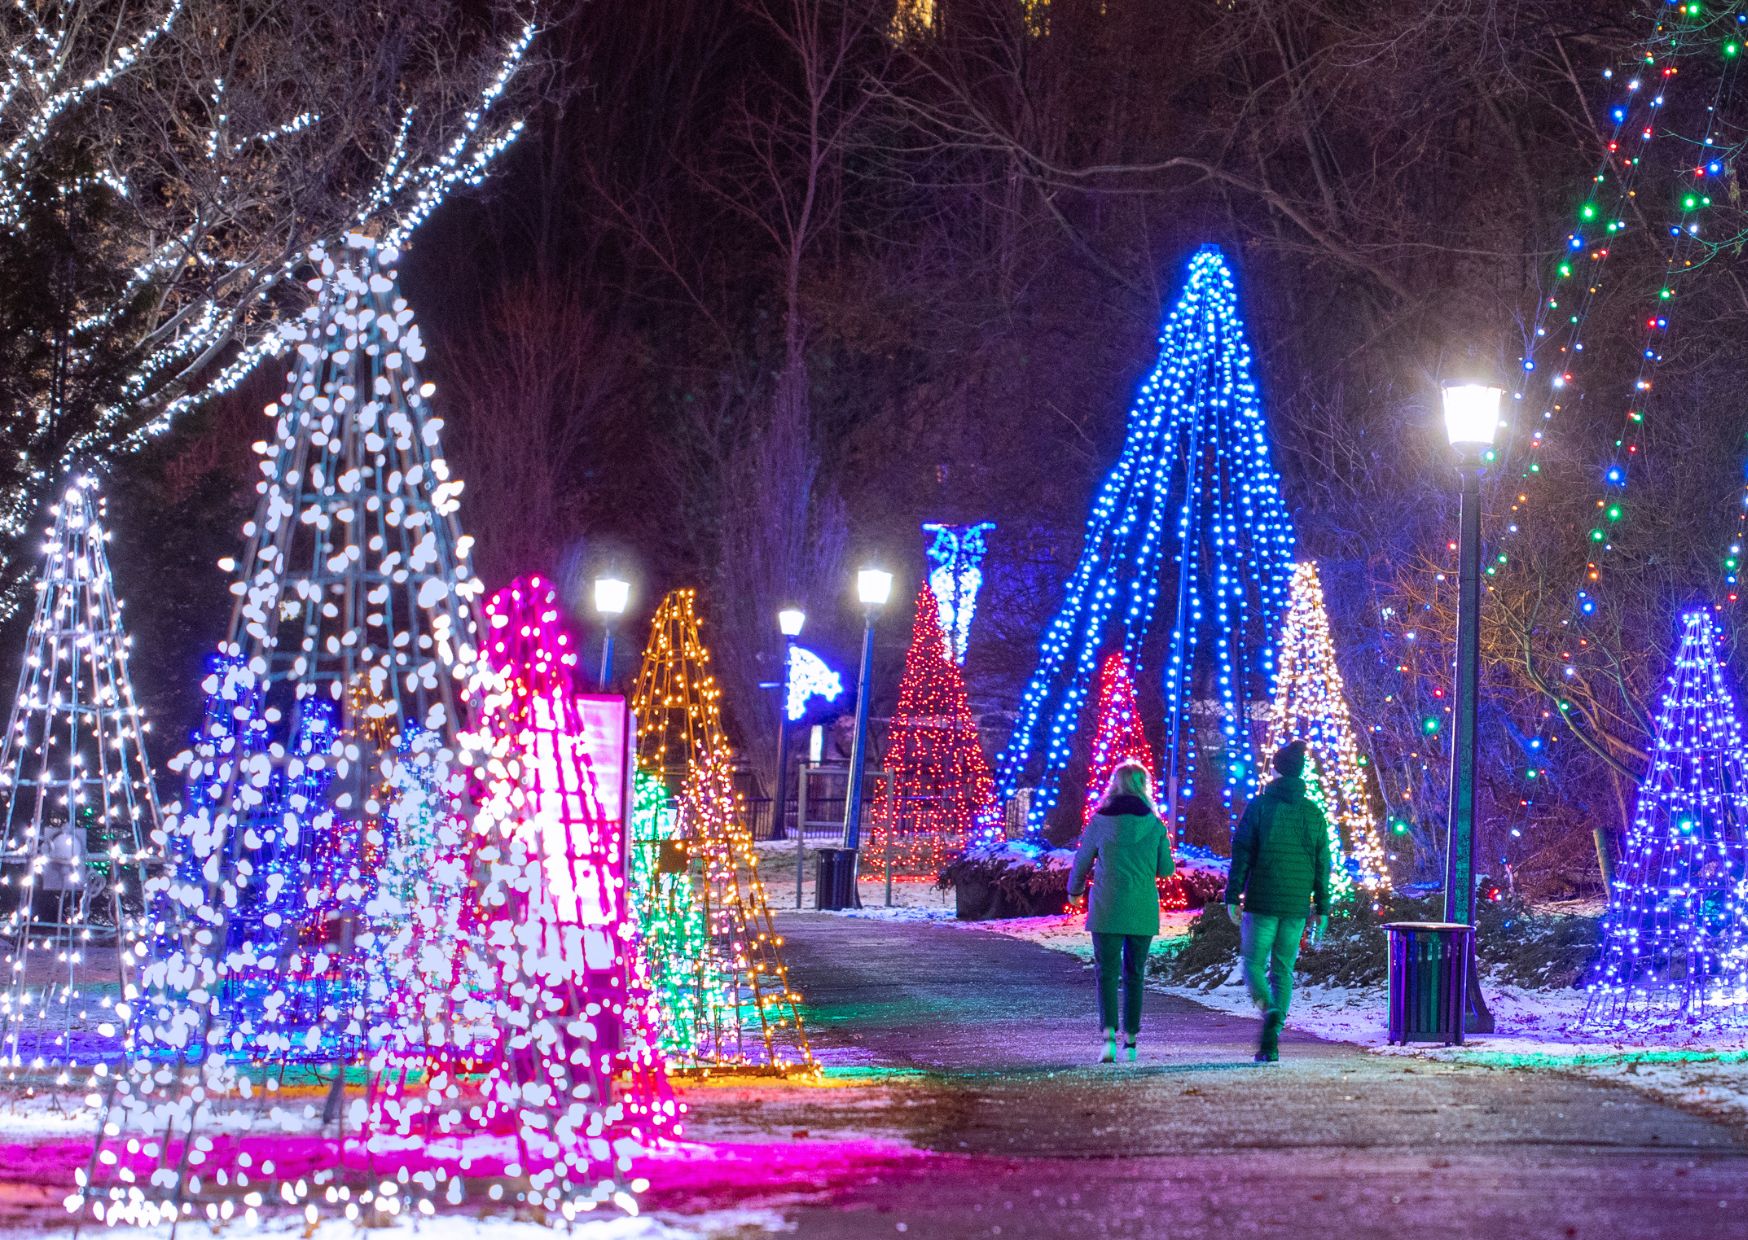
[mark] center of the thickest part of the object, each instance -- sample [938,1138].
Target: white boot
[1110,1054]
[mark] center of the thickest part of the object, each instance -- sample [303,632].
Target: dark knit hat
[1290,758]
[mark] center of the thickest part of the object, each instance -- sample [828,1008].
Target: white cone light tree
[79,808]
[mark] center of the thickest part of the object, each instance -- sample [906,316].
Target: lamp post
[789,622]
[873,588]
[1471,421]
[611,596]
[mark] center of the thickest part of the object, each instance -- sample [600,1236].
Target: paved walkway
[1021,1136]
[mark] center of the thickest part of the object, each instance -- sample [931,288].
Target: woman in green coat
[1124,849]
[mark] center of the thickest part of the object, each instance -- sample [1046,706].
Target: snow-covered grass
[777,869]
[1536,1030]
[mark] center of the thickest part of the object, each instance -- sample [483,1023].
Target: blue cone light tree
[1194,504]
[1675,939]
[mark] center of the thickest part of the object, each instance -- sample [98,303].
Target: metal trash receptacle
[1429,980]
[834,880]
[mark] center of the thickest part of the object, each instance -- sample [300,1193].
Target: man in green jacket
[1280,869]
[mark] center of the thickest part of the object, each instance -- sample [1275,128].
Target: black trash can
[1429,980]
[834,882]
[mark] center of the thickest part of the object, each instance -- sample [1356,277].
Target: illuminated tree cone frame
[731,991]
[1310,704]
[740,1006]
[1118,736]
[1675,937]
[310,922]
[568,1061]
[1194,499]
[80,808]
[941,791]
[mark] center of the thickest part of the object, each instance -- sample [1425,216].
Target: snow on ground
[1536,1029]
[777,867]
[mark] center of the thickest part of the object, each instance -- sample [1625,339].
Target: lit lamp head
[790,620]
[611,597]
[873,587]
[1472,418]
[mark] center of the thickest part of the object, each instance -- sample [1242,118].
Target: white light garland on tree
[79,808]
[190,297]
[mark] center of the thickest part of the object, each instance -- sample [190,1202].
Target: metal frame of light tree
[74,751]
[1310,704]
[940,791]
[573,1056]
[354,600]
[1675,937]
[678,707]
[1118,736]
[1194,471]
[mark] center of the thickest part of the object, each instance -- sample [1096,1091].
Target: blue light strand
[1196,457]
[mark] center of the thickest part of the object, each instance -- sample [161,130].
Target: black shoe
[1269,1049]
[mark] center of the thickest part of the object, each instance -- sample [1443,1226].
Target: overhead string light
[79,812]
[1195,475]
[940,793]
[1675,936]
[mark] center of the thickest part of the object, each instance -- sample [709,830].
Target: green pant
[1126,953]
[1271,948]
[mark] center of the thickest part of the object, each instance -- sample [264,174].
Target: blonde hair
[1130,779]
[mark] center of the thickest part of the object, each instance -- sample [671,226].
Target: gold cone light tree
[1310,704]
[723,985]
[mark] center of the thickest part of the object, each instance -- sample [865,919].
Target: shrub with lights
[1675,937]
[940,792]
[1193,500]
[714,955]
[1311,705]
[80,808]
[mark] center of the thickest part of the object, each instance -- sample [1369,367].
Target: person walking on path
[1280,869]
[1124,849]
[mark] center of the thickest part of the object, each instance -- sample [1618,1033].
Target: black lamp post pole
[859,742]
[1460,831]
[778,796]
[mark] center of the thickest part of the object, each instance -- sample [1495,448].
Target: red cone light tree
[941,786]
[1119,737]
